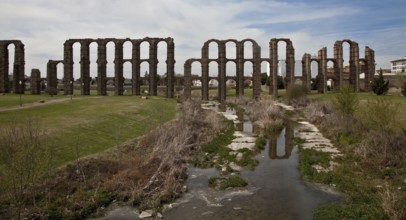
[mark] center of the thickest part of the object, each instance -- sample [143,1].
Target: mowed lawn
[90,124]
[365,97]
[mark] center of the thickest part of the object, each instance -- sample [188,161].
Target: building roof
[403,59]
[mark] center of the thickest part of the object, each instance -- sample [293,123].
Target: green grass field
[89,124]
[365,97]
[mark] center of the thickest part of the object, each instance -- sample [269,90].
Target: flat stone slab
[244,140]
[237,146]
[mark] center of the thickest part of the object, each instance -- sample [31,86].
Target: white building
[399,66]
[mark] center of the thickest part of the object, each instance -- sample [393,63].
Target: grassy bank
[87,125]
[370,132]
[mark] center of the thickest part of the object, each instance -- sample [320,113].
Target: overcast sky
[44,25]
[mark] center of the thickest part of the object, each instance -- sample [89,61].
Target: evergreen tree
[379,85]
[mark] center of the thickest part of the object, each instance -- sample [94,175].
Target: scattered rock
[146,214]
[159,215]
[41,101]
[235,166]
[239,156]
[144,97]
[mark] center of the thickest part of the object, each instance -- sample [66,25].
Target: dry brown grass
[263,113]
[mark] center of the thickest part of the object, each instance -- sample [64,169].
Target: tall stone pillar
[273,48]
[240,69]
[205,72]
[322,57]
[170,68]
[188,79]
[354,66]
[256,73]
[35,82]
[4,71]
[68,67]
[338,65]
[290,63]
[369,67]
[136,68]
[84,68]
[101,67]
[153,66]
[306,70]
[222,71]
[118,68]
[19,68]
[52,82]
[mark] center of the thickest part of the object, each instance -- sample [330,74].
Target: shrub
[296,91]
[346,101]
[379,85]
[404,89]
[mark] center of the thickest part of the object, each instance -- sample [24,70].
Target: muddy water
[275,190]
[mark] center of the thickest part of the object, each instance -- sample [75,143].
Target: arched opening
[110,70]
[231,50]
[282,58]
[213,50]
[214,73]
[10,52]
[162,76]
[144,50]
[59,76]
[314,72]
[93,67]
[330,82]
[144,75]
[197,85]
[248,83]
[248,50]
[76,65]
[127,68]
[346,62]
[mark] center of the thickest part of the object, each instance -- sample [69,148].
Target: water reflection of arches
[275,147]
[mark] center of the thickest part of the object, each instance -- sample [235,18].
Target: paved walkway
[33,105]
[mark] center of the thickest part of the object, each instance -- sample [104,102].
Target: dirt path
[33,105]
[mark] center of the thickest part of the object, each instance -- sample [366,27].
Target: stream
[275,190]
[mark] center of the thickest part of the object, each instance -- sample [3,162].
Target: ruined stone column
[52,78]
[205,72]
[136,68]
[4,81]
[222,71]
[153,66]
[35,82]
[322,57]
[118,68]
[354,66]
[187,68]
[101,67]
[338,65]
[170,68]
[290,63]
[84,68]
[369,68]
[68,67]
[306,70]
[273,48]
[240,69]
[19,68]
[256,74]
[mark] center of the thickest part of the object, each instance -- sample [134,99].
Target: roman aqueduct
[356,64]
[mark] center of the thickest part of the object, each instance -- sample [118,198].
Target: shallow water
[275,189]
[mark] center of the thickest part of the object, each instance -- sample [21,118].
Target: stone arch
[290,63]
[353,63]
[18,66]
